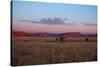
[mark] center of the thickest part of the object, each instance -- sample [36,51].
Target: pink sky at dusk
[37,27]
[53,17]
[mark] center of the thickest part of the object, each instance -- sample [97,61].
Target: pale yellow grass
[39,50]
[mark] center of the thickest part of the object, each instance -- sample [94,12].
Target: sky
[29,16]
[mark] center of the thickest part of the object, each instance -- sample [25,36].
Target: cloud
[90,24]
[49,21]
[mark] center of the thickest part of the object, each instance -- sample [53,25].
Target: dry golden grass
[39,50]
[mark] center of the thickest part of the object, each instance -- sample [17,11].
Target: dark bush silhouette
[86,39]
[56,39]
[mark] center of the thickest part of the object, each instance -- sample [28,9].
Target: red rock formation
[72,34]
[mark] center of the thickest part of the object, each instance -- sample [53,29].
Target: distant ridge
[46,34]
[19,33]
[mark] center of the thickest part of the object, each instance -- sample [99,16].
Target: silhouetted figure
[61,38]
[86,39]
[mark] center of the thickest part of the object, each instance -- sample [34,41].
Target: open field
[46,50]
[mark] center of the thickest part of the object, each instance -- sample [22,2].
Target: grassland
[46,50]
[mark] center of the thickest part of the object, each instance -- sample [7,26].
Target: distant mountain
[19,33]
[88,35]
[45,34]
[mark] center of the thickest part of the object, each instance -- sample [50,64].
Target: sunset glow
[51,17]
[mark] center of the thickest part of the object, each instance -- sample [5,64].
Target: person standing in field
[61,38]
